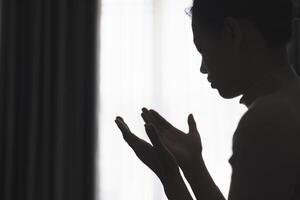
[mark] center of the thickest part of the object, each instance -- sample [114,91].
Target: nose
[203,68]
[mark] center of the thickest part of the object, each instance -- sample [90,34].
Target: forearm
[201,182]
[175,188]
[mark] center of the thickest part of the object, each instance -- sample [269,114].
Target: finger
[160,120]
[142,149]
[155,139]
[152,134]
[146,117]
[192,124]
[132,140]
[121,124]
[123,127]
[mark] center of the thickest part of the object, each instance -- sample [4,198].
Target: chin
[228,93]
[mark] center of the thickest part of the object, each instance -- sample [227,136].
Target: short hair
[273,18]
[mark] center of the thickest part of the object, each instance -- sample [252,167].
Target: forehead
[195,25]
[198,28]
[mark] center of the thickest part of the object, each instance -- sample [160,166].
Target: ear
[233,31]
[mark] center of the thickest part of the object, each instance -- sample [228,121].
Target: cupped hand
[186,147]
[155,156]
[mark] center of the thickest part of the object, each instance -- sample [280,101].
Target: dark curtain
[296,36]
[47,99]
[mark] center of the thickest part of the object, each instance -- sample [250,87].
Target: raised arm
[158,159]
[187,149]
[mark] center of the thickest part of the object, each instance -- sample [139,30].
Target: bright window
[148,59]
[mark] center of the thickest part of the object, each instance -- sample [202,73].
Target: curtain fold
[47,99]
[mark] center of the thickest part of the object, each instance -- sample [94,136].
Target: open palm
[155,156]
[186,147]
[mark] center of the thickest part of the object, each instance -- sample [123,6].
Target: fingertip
[191,122]
[119,121]
[191,117]
[119,118]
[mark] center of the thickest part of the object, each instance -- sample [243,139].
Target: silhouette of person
[243,44]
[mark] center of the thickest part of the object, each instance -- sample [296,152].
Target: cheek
[221,62]
[223,68]
[217,64]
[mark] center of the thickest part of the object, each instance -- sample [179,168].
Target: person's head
[240,40]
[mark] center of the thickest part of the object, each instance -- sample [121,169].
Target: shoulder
[270,122]
[271,109]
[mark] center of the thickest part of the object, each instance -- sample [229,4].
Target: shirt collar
[269,83]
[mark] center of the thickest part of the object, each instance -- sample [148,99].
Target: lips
[213,85]
[212,82]
[210,79]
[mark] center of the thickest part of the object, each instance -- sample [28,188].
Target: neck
[266,65]
[272,58]
[268,83]
[266,60]
[278,58]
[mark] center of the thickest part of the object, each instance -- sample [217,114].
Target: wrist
[175,188]
[193,166]
[201,182]
[170,178]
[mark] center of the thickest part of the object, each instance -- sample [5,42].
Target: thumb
[192,124]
